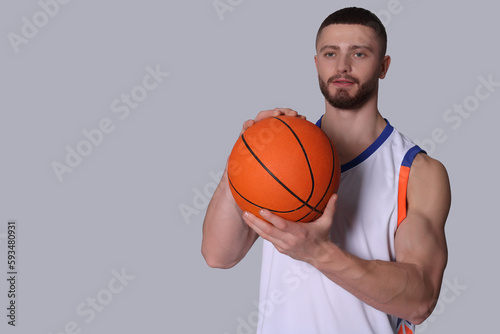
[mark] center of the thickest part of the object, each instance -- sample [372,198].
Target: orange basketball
[286,165]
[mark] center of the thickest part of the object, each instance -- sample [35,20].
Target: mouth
[341,82]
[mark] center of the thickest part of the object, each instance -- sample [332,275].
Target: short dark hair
[355,15]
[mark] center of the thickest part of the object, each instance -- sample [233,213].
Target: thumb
[330,208]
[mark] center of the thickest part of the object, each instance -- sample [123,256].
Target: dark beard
[342,99]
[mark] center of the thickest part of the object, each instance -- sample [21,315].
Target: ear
[386,62]
[316,61]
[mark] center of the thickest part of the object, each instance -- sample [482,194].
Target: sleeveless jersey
[296,298]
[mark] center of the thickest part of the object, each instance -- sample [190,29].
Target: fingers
[277,221]
[289,112]
[246,125]
[267,113]
[269,228]
[277,112]
[261,227]
[270,113]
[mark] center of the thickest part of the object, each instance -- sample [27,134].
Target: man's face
[349,65]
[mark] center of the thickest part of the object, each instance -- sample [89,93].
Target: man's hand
[270,113]
[307,242]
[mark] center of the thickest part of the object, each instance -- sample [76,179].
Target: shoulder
[429,191]
[428,170]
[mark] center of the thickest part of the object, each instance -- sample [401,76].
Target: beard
[342,100]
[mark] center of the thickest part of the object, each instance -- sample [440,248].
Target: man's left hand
[302,241]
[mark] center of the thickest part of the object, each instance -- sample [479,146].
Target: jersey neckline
[367,152]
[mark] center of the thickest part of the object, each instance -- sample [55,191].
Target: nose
[343,64]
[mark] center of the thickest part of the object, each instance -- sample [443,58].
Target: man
[374,261]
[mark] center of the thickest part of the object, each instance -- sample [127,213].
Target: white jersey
[295,298]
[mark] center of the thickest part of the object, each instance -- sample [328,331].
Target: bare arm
[226,238]
[408,288]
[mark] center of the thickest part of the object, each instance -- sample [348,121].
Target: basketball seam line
[272,175]
[313,209]
[305,155]
[329,185]
[276,178]
[260,206]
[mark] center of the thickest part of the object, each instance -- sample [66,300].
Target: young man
[374,261]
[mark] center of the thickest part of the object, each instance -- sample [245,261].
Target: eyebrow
[351,47]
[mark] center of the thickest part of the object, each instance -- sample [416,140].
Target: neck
[353,131]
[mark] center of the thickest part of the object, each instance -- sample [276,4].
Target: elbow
[219,265]
[417,320]
[422,312]
[216,262]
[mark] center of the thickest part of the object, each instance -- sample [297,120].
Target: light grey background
[122,207]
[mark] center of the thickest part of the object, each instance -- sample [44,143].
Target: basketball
[286,165]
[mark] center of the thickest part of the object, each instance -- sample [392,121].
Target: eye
[359,55]
[329,54]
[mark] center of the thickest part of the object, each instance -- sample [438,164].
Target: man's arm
[407,288]
[226,238]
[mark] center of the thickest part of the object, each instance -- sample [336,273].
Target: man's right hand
[270,113]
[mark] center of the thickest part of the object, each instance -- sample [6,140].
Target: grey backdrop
[112,245]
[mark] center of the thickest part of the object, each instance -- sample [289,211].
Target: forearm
[226,238]
[399,289]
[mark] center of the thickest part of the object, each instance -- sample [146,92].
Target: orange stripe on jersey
[404,174]
[404,328]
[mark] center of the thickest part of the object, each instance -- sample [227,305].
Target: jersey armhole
[404,174]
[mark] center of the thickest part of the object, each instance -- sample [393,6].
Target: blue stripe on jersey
[400,327]
[410,155]
[369,151]
[318,123]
